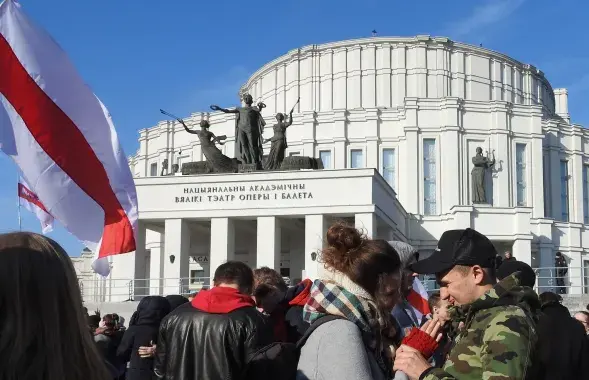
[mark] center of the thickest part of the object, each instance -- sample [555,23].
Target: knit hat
[405,251]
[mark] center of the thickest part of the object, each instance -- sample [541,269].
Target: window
[325,156]
[520,173]
[429,176]
[294,154]
[153,170]
[389,167]
[196,276]
[586,194]
[356,158]
[564,190]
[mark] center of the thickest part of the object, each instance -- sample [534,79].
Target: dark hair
[433,300]
[266,279]
[525,273]
[176,300]
[93,322]
[237,273]
[38,292]
[363,260]
[549,297]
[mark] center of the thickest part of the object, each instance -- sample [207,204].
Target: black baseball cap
[458,247]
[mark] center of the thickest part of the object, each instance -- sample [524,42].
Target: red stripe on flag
[418,302]
[30,197]
[65,144]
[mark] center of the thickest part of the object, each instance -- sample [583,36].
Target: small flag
[29,200]
[62,139]
[417,298]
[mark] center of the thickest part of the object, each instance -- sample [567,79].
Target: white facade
[414,109]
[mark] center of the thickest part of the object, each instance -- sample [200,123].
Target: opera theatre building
[394,124]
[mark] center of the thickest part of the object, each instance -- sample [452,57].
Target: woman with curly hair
[356,292]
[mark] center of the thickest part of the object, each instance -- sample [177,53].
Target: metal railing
[574,282]
[120,290]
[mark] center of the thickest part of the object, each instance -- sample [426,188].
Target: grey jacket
[336,351]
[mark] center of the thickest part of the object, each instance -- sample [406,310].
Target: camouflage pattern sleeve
[507,345]
[507,339]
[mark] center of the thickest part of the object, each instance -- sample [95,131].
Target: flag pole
[18,202]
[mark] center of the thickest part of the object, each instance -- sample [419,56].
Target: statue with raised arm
[481,164]
[278,141]
[218,161]
[249,126]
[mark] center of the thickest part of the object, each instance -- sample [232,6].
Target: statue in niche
[164,167]
[220,162]
[481,164]
[278,140]
[249,127]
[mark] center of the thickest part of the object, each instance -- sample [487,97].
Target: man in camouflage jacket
[497,339]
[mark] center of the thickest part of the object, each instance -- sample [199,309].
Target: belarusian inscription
[222,194]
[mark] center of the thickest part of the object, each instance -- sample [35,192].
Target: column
[315,229]
[537,177]
[340,156]
[366,223]
[141,285]
[522,250]
[269,242]
[372,154]
[413,181]
[501,193]
[156,268]
[574,278]
[222,243]
[176,256]
[450,194]
[555,183]
[545,274]
[576,183]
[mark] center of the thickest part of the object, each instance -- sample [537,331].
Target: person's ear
[478,274]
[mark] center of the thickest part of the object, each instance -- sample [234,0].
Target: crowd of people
[354,322]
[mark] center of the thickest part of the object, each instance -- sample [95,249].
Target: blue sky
[183,55]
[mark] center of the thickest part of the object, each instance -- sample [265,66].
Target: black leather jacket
[195,345]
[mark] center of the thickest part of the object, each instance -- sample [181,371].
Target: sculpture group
[249,151]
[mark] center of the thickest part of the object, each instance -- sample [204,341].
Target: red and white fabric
[61,137]
[418,298]
[30,201]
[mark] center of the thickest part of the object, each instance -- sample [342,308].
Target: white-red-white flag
[29,200]
[418,298]
[62,139]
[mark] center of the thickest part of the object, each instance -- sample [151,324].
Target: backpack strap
[318,322]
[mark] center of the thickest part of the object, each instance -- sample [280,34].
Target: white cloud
[482,16]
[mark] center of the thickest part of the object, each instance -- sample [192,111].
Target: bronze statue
[279,145]
[220,162]
[215,158]
[481,164]
[249,127]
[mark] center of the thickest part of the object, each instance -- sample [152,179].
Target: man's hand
[410,361]
[147,352]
